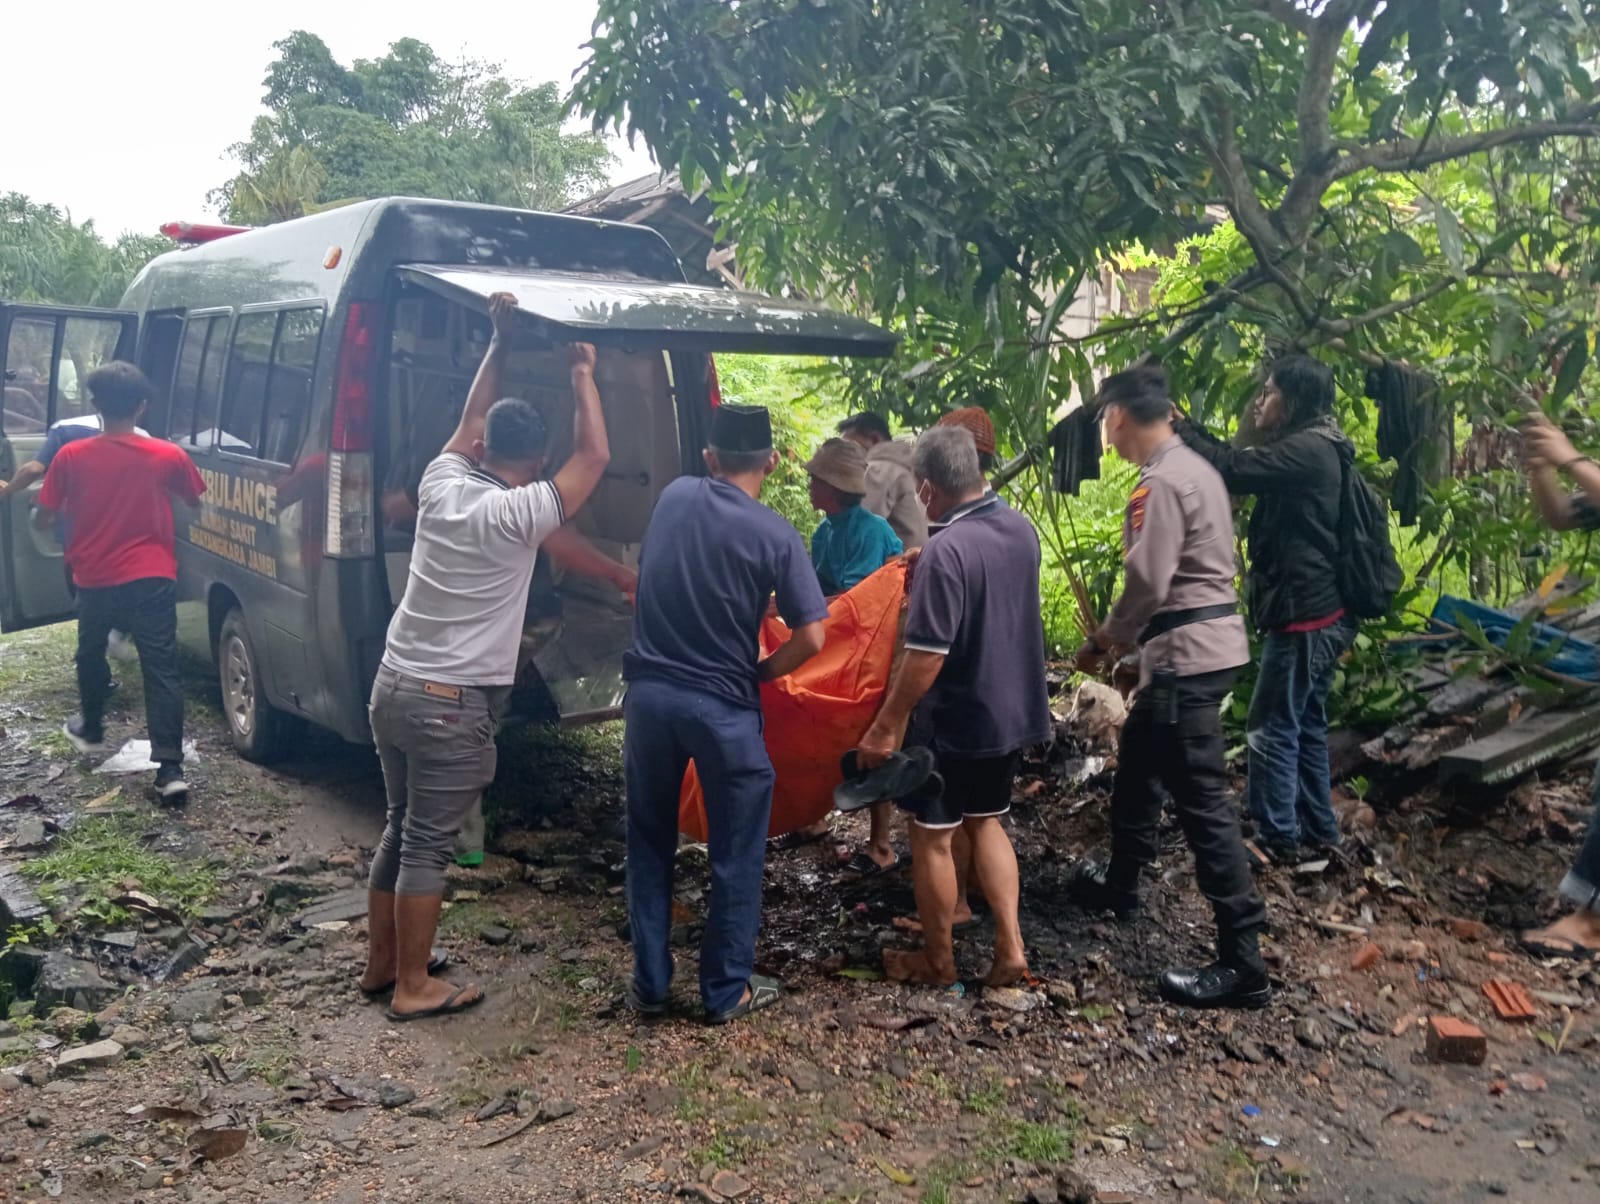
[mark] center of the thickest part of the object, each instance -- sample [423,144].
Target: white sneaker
[120,647]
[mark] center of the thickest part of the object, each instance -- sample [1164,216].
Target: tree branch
[1342,326]
[1409,154]
[1248,213]
[1286,12]
[1313,119]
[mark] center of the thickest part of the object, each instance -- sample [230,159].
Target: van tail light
[713,385]
[351,498]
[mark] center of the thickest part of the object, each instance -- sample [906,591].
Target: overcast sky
[123,112]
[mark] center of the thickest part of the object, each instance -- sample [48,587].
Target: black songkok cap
[741,428]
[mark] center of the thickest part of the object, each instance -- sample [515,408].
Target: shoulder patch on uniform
[1136,504]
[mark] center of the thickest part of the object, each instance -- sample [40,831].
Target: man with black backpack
[1319,559]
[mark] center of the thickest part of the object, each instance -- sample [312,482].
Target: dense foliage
[1370,180]
[407,123]
[47,257]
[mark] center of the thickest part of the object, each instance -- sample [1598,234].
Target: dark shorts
[974,788]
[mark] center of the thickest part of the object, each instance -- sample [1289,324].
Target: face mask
[925,494]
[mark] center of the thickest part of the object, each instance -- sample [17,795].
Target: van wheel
[260,731]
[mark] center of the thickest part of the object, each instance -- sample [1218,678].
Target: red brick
[1452,1040]
[1366,957]
[1511,1001]
[1469,930]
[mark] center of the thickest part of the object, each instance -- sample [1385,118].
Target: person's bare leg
[416,920]
[380,970]
[933,874]
[995,864]
[961,855]
[880,839]
[1580,930]
[961,849]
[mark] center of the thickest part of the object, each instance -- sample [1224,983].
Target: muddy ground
[244,1065]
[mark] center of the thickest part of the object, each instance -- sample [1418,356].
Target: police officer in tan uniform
[1180,608]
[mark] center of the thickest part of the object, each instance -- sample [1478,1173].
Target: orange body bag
[817,714]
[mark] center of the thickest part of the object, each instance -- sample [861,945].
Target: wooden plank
[1584,618]
[1567,586]
[1520,748]
[1464,697]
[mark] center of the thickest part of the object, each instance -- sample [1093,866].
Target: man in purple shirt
[973,672]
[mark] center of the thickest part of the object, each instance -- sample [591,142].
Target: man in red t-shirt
[116,491]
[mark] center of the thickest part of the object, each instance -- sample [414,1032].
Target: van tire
[260,731]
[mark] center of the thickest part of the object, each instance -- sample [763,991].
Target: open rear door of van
[581,667]
[635,314]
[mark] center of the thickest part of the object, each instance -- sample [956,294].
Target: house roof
[687,223]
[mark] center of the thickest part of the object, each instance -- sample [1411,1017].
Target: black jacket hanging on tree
[1414,430]
[1075,449]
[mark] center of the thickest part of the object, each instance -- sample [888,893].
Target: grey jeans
[436,744]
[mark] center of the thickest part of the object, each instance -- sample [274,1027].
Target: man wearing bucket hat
[852,543]
[711,559]
[849,546]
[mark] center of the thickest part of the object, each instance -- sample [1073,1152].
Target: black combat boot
[1094,887]
[1237,979]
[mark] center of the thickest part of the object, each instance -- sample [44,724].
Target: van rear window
[294,360]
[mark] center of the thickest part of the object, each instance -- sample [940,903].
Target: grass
[695,1088]
[272,1064]
[986,1099]
[1024,1140]
[93,859]
[942,1175]
[1029,1141]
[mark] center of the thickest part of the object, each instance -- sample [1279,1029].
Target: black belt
[1171,620]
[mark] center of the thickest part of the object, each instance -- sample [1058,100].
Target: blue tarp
[1576,658]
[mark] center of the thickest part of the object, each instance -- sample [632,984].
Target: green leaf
[1228,342]
[1507,332]
[1450,241]
[1382,123]
[1380,38]
[861,974]
[1572,366]
[1405,249]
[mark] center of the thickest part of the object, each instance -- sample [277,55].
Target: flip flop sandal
[798,839]
[900,776]
[438,961]
[764,992]
[447,1008]
[1572,952]
[862,866]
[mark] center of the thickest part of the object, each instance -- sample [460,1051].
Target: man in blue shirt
[851,543]
[712,558]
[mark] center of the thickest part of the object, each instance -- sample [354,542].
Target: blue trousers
[1582,883]
[669,725]
[1287,731]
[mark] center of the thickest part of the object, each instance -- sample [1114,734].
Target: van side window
[158,356]
[86,343]
[245,398]
[208,397]
[186,380]
[294,359]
